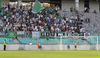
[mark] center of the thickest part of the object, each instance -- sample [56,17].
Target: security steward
[5,45]
[75,46]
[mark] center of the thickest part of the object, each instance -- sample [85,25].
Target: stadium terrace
[50,25]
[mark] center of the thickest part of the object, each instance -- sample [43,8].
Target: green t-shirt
[7,29]
[7,14]
[1,13]
[59,17]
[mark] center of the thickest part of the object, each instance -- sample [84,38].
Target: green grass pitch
[49,54]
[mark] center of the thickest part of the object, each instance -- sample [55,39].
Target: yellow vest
[58,8]
[4,42]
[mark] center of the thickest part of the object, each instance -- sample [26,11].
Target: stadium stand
[23,19]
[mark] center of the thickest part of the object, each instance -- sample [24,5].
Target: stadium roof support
[19,3]
[77,4]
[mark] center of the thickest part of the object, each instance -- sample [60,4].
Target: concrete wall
[1,46]
[12,47]
[67,4]
[4,2]
[81,5]
[94,5]
[44,47]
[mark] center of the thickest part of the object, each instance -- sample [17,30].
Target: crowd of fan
[23,19]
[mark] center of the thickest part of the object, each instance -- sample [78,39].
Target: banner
[35,34]
[48,34]
[59,33]
[20,32]
[2,34]
[37,7]
[45,34]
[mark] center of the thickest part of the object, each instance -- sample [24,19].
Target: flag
[51,9]
[10,34]
[37,7]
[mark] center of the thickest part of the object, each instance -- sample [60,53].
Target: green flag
[37,7]
[11,34]
[51,9]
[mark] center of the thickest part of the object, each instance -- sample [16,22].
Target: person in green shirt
[5,45]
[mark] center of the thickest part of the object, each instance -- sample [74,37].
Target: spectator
[95,11]
[88,10]
[23,20]
[87,20]
[71,9]
[85,9]
[39,46]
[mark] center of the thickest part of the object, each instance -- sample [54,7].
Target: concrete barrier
[1,47]
[45,47]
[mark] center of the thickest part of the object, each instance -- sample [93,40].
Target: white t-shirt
[40,21]
[55,24]
[58,29]
[85,8]
[52,28]
[72,28]
[56,8]
[6,9]
[66,19]
[5,17]
[72,17]
[75,17]
[55,18]
[42,29]
[41,15]
[50,16]
[70,21]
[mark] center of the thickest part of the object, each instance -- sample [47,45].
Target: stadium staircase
[16,41]
[92,27]
[94,22]
[1,22]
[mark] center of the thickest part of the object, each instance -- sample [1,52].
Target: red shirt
[38,44]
